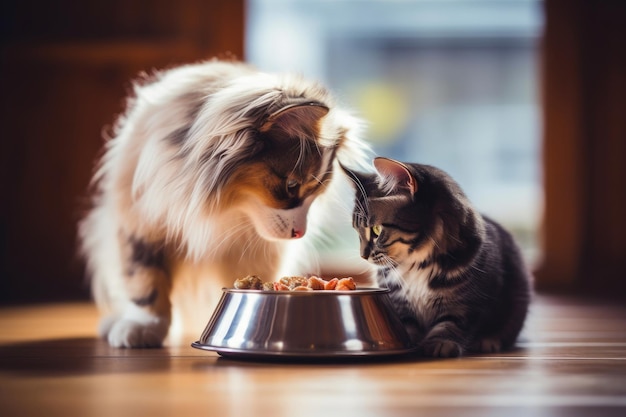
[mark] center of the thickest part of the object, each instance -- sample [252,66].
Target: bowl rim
[356,292]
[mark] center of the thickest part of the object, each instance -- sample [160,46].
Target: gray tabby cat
[457,278]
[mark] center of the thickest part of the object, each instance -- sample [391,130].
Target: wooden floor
[572,362]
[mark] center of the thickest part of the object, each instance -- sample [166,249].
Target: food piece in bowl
[251,282]
[295,283]
[332,284]
[316,283]
[345,284]
[279,286]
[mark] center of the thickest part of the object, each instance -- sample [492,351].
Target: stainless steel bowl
[305,324]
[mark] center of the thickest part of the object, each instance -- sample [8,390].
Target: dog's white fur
[153,186]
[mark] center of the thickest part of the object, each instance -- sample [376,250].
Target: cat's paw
[490,345]
[442,348]
[126,333]
[104,327]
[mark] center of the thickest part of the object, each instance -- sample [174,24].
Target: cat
[212,173]
[456,278]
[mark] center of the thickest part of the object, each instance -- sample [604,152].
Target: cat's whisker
[476,268]
[316,178]
[303,150]
[435,243]
[249,246]
[361,189]
[317,147]
[226,237]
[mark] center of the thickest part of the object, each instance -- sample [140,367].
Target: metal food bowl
[305,324]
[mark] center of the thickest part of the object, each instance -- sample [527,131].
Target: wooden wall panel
[584,88]
[65,69]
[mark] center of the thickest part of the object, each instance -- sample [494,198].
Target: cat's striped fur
[457,278]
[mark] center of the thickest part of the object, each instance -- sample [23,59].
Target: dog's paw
[126,333]
[442,348]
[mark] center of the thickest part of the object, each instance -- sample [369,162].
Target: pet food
[313,283]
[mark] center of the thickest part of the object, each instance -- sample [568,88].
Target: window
[449,83]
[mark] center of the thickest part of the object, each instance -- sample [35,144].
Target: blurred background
[451,83]
[522,101]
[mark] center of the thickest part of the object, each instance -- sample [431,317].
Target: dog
[214,171]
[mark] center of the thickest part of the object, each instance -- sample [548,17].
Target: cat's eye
[377,229]
[292,185]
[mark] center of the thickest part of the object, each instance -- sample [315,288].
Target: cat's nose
[296,234]
[365,253]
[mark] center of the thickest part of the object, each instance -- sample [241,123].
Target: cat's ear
[356,178]
[296,119]
[397,172]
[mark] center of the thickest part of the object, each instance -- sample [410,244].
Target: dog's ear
[296,119]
